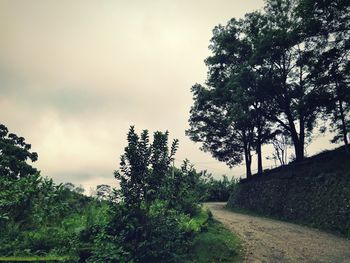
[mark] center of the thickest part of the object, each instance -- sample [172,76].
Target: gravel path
[270,241]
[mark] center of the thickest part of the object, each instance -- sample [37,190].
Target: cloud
[75,74]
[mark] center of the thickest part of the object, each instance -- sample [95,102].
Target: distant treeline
[210,188]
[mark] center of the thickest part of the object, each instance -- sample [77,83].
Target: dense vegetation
[155,215]
[277,72]
[315,192]
[38,217]
[214,190]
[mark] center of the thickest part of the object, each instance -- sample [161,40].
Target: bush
[106,249]
[215,244]
[217,190]
[154,201]
[165,239]
[196,223]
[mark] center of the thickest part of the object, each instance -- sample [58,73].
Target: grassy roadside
[212,243]
[216,244]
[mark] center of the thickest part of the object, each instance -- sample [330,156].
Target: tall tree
[327,23]
[227,112]
[250,84]
[226,136]
[281,48]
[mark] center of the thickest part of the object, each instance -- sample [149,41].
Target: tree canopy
[276,71]
[14,154]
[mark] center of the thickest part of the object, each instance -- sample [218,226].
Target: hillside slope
[315,192]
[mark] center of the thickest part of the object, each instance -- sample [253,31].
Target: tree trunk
[259,154]
[298,145]
[343,123]
[299,150]
[258,145]
[301,137]
[248,161]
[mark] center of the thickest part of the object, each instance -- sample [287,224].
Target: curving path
[270,241]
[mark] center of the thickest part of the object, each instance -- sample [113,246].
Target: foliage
[153,217]
[155,214]
[59,236]
[38,217]
[278,70]
[219,190]
[215,244]
[227,112]
[107,249]
[145,168]
[103,191]
[154,203]
[196,223]
[186,189]
[327,23]
[14,153]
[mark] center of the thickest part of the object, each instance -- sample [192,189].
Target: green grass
[33,259]
[199,221]
[216,244]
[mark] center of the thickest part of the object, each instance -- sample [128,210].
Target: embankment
[315,192]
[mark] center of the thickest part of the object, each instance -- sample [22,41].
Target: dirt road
[267,240]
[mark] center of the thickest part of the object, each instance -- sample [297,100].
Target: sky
[74,75]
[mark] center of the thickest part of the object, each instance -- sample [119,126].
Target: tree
[69,186]
[228,112]
[79,189]
[285,51]
[14,154]
[218,190]
[26,199]
[332,74]
[72,188]
[327,23]
[144,222]
[186,189]
[144,168]
[322,17]
[16,198]
[103,191]
[250,84]
[280,144]
[226,136]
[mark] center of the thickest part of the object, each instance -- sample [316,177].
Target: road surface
[270,241]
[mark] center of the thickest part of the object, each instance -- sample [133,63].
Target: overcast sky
[74,75]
